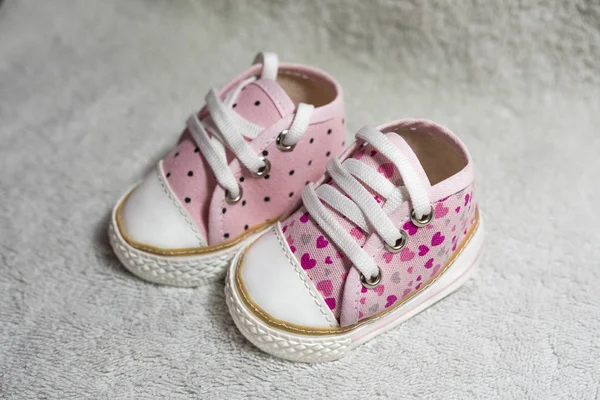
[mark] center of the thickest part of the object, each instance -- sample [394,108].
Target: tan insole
[306,89]
[440,158]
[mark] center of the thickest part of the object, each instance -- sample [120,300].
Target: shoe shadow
[239,346]
[223,325]
[104,250]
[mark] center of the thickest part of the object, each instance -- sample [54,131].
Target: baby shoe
[242,161]
[385,234]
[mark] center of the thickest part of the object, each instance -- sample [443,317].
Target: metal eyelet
[423,221]
[400,243]
[371,283]
[262,171]
[233,200]
[279,141]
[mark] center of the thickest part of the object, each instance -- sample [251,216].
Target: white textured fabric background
[93,93]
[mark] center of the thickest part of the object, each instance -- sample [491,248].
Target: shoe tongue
[385,167]
[263,102]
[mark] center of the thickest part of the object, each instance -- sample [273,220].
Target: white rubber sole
[180,271]
[320,348]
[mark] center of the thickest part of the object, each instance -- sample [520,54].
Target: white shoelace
[358,204]
[230,131]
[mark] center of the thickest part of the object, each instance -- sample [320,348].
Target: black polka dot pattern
[275,193]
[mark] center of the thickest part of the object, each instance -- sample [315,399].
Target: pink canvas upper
[264,103]
[405,272]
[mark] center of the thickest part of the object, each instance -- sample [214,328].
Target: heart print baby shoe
[389,231]
[241,162]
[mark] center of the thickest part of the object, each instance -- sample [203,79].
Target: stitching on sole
[279,343]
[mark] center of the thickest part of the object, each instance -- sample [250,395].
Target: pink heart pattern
[325,287]
[304,218]
[388,257]
[410,228]
[404,273]
[357,233]
[306,262]
[391,299]
[437,239]
[322,242]
[331,303]
[386,169]
[440,210]
[406,254]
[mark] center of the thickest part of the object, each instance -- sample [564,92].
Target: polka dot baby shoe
[242,161]
[389,231]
